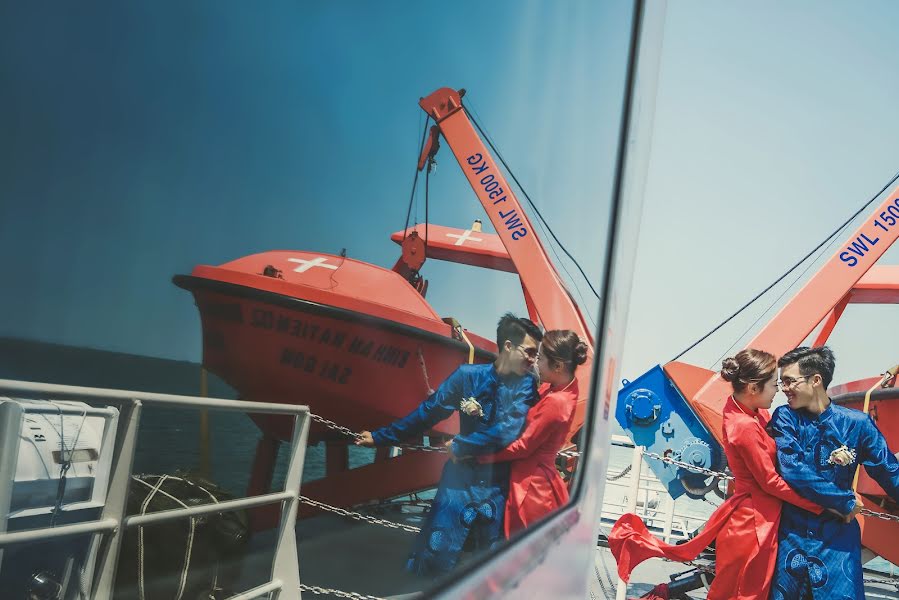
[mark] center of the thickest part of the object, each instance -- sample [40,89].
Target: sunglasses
[529,352]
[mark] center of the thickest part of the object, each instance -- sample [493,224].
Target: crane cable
[791,269]
[421,147]
[530,202]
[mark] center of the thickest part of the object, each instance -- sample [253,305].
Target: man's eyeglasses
[529,352]
[788,382]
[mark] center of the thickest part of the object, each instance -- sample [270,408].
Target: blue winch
[655,415]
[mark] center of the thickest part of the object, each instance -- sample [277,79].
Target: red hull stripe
[193,284]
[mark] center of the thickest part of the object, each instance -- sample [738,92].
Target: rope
[66,460]
[140,538]
[424,371]
[190,536]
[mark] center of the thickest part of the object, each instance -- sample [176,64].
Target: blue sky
[774,123]
[139,140]
[142,139]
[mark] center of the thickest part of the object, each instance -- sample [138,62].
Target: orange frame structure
[850,276]
[548,300]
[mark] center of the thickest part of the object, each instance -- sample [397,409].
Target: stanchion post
[636,467]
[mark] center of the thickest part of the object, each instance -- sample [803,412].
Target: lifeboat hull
[358,370]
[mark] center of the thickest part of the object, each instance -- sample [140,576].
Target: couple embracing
[502,476]
[789,530]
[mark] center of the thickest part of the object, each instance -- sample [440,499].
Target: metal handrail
[275,585]
[206,509]
[102,557]
[676,524]
[27,388]
[44,533]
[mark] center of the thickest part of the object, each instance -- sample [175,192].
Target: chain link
[893,582]
[566,453]
[695,565]
[358,516]
[349,432]
[332,425]
[706,472]
[879,515]
[314,589]
[626,470]
[339,593]
[422,448]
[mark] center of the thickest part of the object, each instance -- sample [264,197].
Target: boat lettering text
[306,330]
[308,363]
[864,243]
[385,353]
[491,187]
[328,338]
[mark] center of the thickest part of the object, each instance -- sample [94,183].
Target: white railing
[649,499]
[102,559]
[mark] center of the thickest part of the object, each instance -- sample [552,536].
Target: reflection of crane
[676,410]
[548,301]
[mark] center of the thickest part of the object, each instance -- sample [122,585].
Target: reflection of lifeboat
[360,344]
[356,342]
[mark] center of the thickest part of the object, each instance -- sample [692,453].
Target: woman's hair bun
[730,369]
[579,353]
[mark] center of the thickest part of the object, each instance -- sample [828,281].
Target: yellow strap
[458,327]
[883,381]
[470,345]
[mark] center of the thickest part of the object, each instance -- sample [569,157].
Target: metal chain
[422,448]
[567,454]
[349,432]
[332,425]
[885,516]
[626,470]
[706,472]
[699,567]
[690,563]
[358,516]
[893,582]
[339,593]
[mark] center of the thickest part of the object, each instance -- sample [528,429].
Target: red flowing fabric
[535,486]
[745,525]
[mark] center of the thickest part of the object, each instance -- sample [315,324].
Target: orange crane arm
[823,293]
[546,295]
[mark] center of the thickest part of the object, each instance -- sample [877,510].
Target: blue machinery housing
[655,415]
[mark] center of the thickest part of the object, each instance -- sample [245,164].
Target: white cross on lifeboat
[305,265]
[461,239]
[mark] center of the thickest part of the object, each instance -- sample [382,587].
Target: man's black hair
[515,329]
[818,360]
